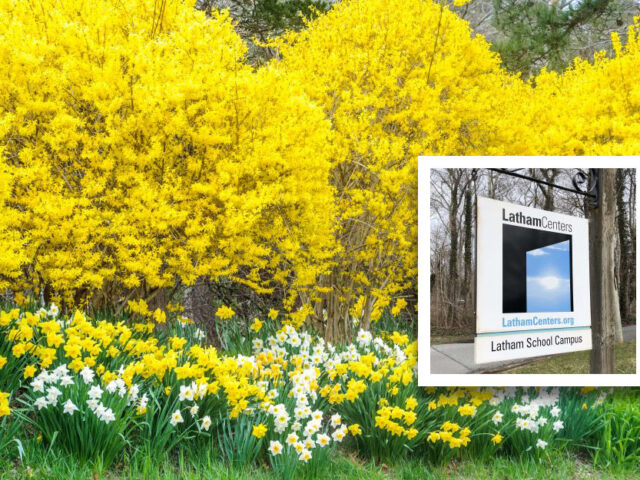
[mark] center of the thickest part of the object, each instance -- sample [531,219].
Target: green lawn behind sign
[578,362]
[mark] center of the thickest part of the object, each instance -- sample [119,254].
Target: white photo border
[425,377]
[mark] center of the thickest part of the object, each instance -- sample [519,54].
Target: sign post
[604,299]
[532,282]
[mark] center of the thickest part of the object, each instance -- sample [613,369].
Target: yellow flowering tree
[138,151]
[591,109]
[12,255]
[396,79]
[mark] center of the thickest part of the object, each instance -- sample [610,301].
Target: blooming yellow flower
[411,433]
[159,316]
[256,325]
[177,343]
[225,312]
[140,307]
[496,439]
[259,430]
[30,371]
[4,404]
[467,410]
[355,429]
[450,427]
[433,437]
[401,303]
[18,350]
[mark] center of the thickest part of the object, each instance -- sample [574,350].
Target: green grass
[578,362]
[443,339]
[441,336]
[39,464]
[619,442]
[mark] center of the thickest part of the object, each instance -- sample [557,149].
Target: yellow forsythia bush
[139,150]
[591,109]
[397,79]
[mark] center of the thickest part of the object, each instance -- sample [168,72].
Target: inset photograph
[532,271]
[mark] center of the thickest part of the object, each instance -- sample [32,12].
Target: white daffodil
[305,455]
[37,385]
[275,447]
[339,434]
[107,416]
[87,375]
[41,402]
[292,439]
[497,418]
[112,386]
[186,393]
[53,310]
[95,392]
[336,420]
[69,407]
[176,418]
[52,395]
[206,423]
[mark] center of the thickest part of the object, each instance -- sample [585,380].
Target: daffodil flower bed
[96,388]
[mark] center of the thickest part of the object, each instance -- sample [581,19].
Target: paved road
[458,357]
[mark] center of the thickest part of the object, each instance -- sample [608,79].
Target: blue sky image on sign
[549,278]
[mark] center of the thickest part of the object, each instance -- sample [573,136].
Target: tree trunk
[367,310]
[468,241]
[604,296]
[337,317]
[624,244]
[548,175]
[453,254]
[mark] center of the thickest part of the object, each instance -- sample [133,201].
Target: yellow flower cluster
[225,312]
[591,109]
[4,404]
[446,434]
[259,430]
[392,419]
[96,344]
[292,387]
[165,157]
[399,79]
[137,149]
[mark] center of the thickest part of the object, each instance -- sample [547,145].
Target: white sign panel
[532,282]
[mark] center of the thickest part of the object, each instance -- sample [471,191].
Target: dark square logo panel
[536,270]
